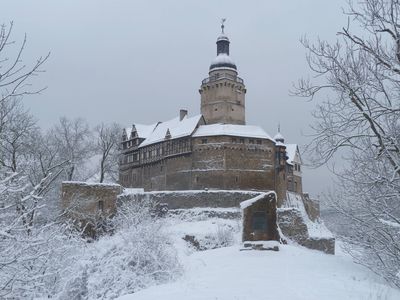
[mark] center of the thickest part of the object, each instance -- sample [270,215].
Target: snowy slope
[292,273]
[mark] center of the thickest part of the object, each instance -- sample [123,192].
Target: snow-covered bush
[137,255]
[223,236]
[32,255]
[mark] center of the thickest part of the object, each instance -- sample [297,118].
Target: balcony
[221,76]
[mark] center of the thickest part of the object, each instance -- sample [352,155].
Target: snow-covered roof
[279,137]
[142,130]
[222,37]
[291,150]
[250,131]
[223,59]
[176,127]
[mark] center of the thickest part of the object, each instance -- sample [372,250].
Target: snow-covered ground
[292,273]
[230,274]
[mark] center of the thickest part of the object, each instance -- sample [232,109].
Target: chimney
[182,113]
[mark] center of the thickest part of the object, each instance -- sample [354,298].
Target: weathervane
[222,25]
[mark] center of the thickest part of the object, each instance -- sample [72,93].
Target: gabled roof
[177,128]
[142,130]
[291,150]
[249,131]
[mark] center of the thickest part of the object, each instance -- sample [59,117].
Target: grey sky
[140,61]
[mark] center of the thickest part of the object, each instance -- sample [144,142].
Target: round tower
[223,92]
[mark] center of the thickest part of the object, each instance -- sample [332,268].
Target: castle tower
[223,92]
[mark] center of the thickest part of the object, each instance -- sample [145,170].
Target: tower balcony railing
[220,76]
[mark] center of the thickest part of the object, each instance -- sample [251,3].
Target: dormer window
[167,135]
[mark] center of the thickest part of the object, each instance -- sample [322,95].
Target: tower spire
[222,25]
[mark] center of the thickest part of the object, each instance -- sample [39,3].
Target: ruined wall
[293,226]
[265,205]
[87,203]
[190,199]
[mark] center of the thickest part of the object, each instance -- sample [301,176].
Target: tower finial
[222,25]
[279,127]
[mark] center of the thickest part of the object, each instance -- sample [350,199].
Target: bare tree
[73,139]
[15,76]
[361,121]
[17,130]
[107,147]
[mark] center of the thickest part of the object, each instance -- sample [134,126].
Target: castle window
[258,142]
[215,109]
[197,179]
[236,179]
[241,141]
[161,168]
[204,141]
[298,168]
[101,205]
[234,140]
[251,141]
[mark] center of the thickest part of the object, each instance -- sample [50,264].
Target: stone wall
[223,99]
[293,226]
[262,207]
[214,162]
[312,207]
[87,203]
[191,199]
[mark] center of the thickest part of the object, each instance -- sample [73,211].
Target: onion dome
[223,60]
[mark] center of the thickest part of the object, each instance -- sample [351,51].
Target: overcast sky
[141,61]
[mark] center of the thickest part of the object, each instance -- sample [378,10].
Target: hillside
[227,273]
[292,273]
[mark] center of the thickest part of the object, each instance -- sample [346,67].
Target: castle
[213,150]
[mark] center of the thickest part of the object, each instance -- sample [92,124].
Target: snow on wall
[250,131]
[315,229]
[249,202]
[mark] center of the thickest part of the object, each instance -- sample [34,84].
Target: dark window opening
[259,221]
[204,141]
[101,205]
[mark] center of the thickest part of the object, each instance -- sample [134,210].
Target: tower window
[204,141]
